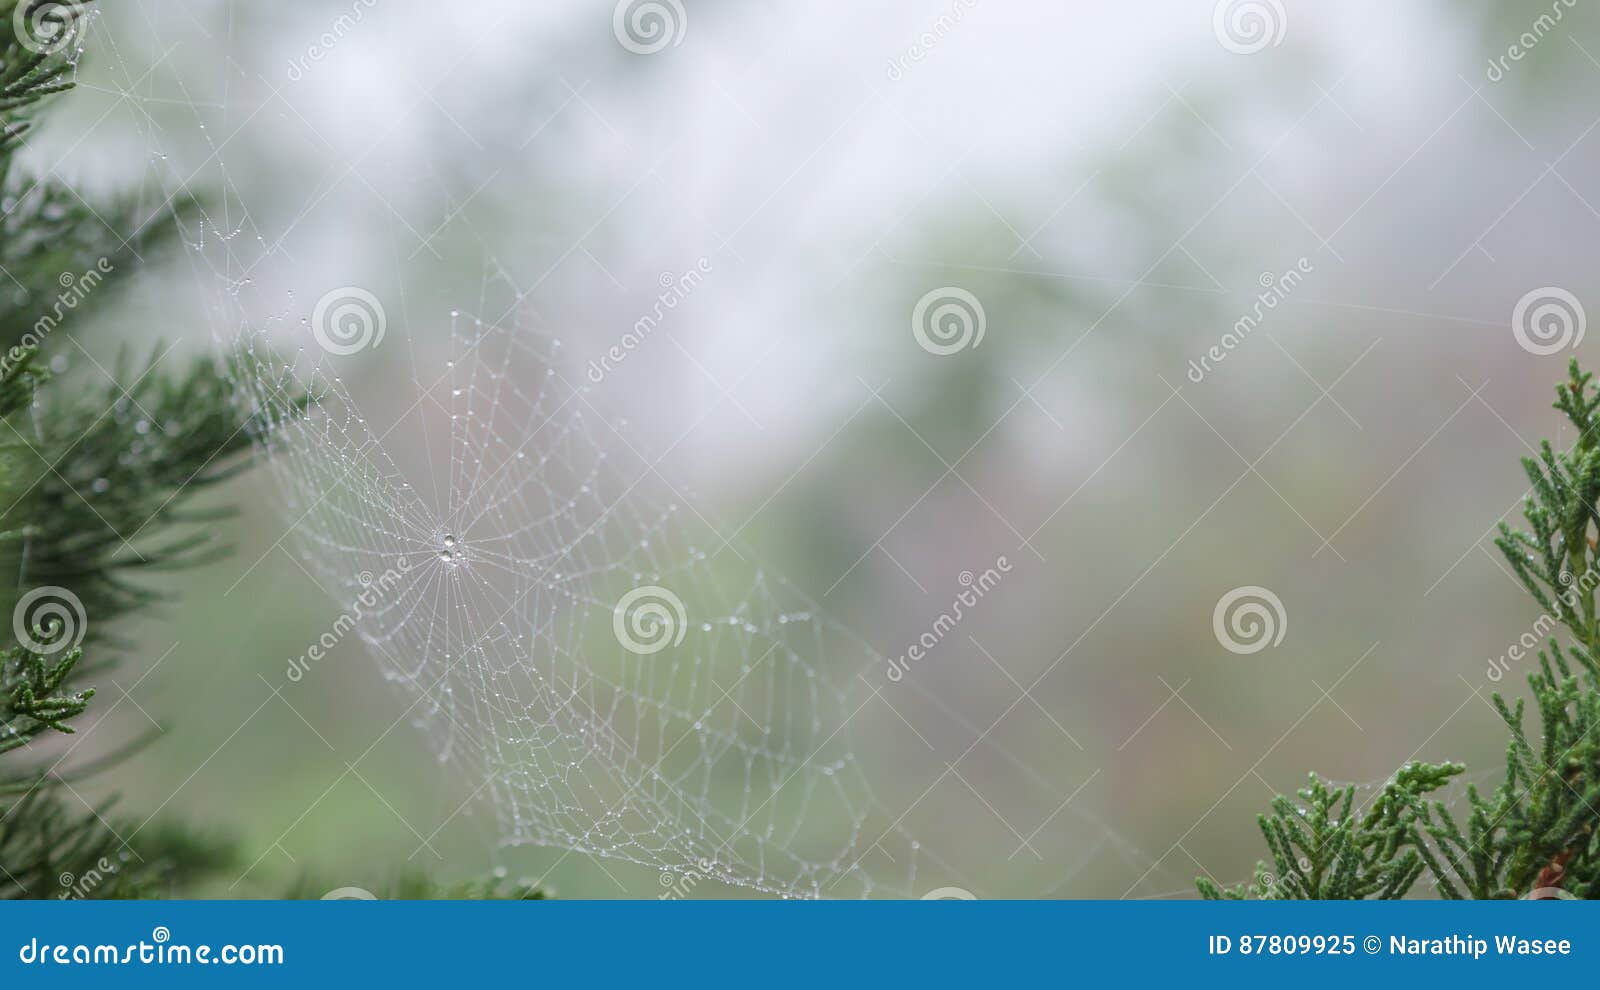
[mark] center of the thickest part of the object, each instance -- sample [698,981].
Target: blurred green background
[1111,183]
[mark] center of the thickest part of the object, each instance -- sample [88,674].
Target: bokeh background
[1111,182]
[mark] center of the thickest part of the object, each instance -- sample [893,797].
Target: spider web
[589,657]
[480,532]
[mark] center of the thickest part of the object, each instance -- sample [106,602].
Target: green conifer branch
[32,697]
[97,487]
[28,76]
[1324,849]
[1535,835]
[100,489]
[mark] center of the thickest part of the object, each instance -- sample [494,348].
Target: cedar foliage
[99,480]
[101,485]
[1535,834]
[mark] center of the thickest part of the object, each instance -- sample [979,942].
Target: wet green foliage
[1534,835]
